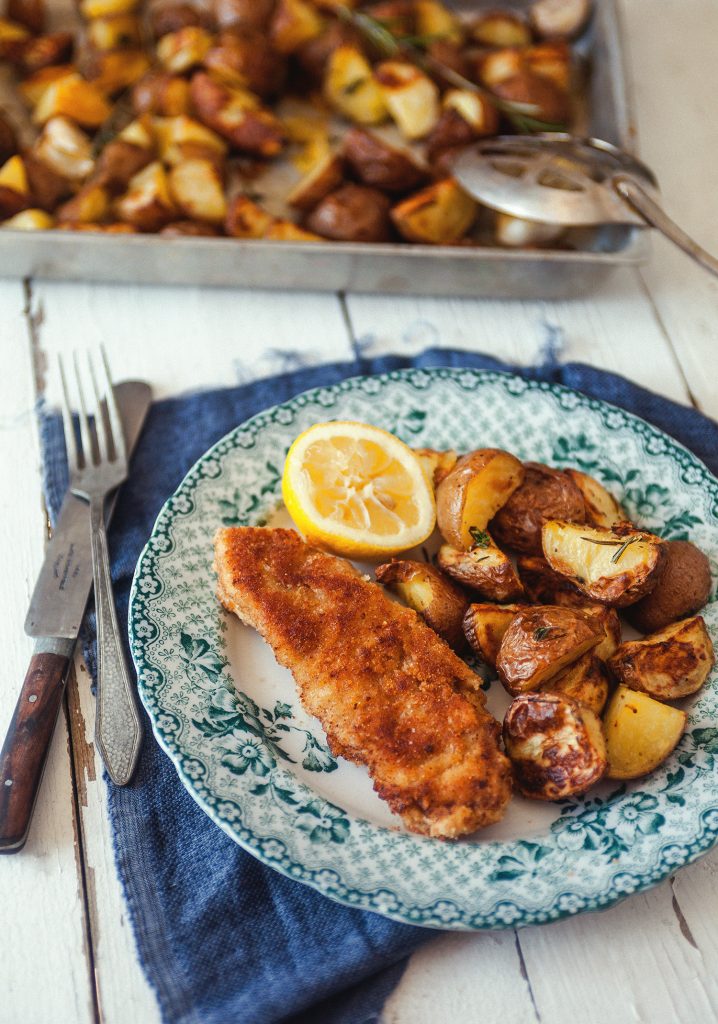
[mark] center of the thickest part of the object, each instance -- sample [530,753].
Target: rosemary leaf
[480,538]
[543,631]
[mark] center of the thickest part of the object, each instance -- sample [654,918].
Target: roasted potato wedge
[118,162]
[485,569]
[30,13]
[14,187]
[555,744]
[237,116]
[480,483]
[166,18]
[33,87]
[91,205]
[667,665]
[436,464]
[91,9]
[182,138]
[440,603]
[501,28]
[684,585]
[640,733]
[544,494]
[243,14]
[435,20]
[559,19]
[485,626]
[73,97]
[380,165]
[183,50]
[351,88]
[602,509]
[46,51]
[352,213]
[13,40]
[190,228]
[246,219]
[607,619]
[540,642]
[117,70]
[516,232]
[197,189]
[411,97]
[616,566]
[286,231]
[586,681]
[29,220]
[65,149]
[293,24]
[549,102]
[147,205]
[545,586]
[114,33]
[440,214]
[326,176]
[249,61]
[161,93]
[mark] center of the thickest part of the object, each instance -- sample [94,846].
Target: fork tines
[97,437]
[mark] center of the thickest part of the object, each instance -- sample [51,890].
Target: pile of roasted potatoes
[585,705]
[165,120]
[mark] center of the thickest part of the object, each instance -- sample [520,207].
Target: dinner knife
[57,608]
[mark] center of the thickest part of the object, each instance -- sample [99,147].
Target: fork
[98,465]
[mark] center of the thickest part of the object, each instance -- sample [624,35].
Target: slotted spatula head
[551,178]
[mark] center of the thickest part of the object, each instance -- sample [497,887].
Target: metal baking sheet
[488,271]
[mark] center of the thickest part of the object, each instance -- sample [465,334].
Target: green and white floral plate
[229,718]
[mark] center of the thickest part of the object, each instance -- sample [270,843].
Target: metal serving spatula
[556,178]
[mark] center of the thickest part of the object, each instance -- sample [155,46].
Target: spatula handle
[24,751]
[636,197]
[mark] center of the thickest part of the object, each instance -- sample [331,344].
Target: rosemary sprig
[621,544]
[480,538]
[522,115]
[543,631]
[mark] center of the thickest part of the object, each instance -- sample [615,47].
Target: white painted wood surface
[653,959]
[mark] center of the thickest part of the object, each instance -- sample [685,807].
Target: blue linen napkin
[221,937]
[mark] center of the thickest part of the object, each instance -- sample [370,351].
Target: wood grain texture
[24,752]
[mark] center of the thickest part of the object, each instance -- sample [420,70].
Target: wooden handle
[24,752]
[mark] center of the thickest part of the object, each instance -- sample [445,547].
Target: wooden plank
[179,340]
[42,897]
[614,327]
[675,80]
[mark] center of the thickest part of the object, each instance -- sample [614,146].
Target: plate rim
[703,842]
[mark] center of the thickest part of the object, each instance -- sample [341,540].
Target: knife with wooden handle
[57,608]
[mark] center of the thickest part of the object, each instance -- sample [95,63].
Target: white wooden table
[67,949]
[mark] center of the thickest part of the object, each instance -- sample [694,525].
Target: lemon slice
[357,490]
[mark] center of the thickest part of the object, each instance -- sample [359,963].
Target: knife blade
[57,608]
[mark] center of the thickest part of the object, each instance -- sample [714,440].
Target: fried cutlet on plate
[388,691]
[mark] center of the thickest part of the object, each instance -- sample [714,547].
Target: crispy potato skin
[486,570]
[586,681]
[640,733]
[555,744]
[437,464]
[248,60]
[353,213]
[607,619]
[667,665]
[441,604]
[380,165]
[684,585]
[485,626]
[545,494]
[118,162]
[440,214]
[602,509]
[540,642]
[545,586]
[322,179]
[552,104]
[480,483]
[585,554]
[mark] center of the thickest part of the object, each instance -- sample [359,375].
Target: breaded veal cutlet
[388,691]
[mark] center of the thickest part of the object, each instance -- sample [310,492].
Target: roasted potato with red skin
[472,493]
[484,569]
[312,56]
[607,619]
[350,86]
[555,744]
[465,116]
[435,20]
[32,88]
[147,205]
[684,586]
[46,51]
[494,66]
[161,93]
[452,56]
[190,229]
[74,98]
[500,28]
[183,50]
[29,220]
[65,149]
[411,97]
[248,61]
[545,586]
[549,103]
[8,139]
[91,205]
[551,61]
[165,19]
[246,219]
[377,163]
[436,464]
[440,214]
[114,228]
[250,128]
[294,23]
[13,40]
[559,19]
[14,188]
[540,642]
[323,178]
[485,626]
[544,494]
[197,189]
[616,566]
[667,665]
[182,138]
[586,681]
[441,604]
[353,213]
[602,509]
[117,70]
[640,733]
[286,231]
[30,13]
[242,15]
[116,32]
